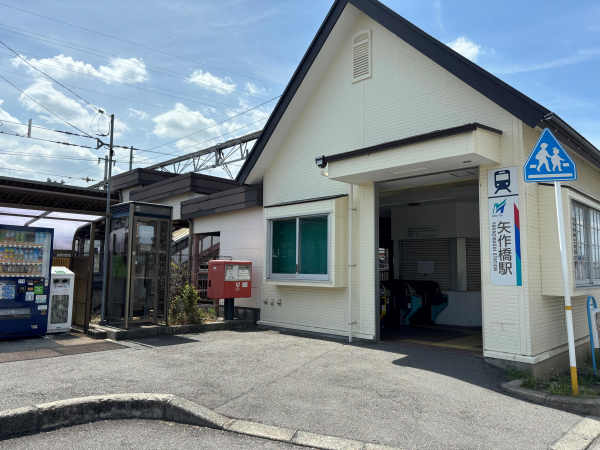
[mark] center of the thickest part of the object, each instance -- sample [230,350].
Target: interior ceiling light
[462,174]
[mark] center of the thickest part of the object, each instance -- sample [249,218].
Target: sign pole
[567,288]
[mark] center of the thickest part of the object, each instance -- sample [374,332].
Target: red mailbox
[229,279]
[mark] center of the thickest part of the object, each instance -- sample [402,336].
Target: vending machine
[25,260]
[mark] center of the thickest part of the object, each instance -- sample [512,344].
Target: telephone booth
[138,264]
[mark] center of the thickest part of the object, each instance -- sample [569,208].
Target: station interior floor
[440,337]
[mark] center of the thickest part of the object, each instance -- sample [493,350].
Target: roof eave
[567,135]
[291,88]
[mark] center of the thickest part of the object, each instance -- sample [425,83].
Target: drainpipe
[350,208]
[191,255]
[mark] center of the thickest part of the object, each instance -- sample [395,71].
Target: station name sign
[505,228]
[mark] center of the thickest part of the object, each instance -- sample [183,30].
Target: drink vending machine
[25,260]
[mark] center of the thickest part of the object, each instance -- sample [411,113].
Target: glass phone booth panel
[143,289]
[139,281]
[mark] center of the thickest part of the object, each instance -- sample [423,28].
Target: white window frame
[591,281]
[298,276]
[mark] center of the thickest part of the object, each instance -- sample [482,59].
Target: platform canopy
[51,205]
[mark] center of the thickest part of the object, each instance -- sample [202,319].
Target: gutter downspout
[350,208]
[191,254]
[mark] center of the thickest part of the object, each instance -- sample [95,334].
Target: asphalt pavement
[140,434]
[397,395]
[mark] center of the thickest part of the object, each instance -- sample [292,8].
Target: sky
[215,68]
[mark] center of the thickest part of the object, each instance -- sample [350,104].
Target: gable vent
[361,55]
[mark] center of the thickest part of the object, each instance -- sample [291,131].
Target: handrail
[592,334]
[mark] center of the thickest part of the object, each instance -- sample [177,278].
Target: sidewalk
[395,395]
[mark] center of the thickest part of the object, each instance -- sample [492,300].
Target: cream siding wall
[436,153]
[323,306]
[407,95]
[548,329]
[240,238]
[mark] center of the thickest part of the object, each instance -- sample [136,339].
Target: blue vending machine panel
[25,263]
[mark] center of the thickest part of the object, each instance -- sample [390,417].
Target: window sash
[586,244]
[300,222]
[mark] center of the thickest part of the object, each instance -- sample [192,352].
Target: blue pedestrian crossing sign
[549,161]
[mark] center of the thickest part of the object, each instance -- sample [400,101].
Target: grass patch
[529,382]
[557,385]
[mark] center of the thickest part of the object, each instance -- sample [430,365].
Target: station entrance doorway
[430,261]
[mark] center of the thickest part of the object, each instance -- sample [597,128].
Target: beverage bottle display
[41,257]
[1,254]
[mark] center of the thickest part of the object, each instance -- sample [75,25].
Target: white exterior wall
[175,202]
[323,306]
[407,95]
[241,238]
[125,192]
[548,329]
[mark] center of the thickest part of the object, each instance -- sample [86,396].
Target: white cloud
[62,67]
[137,114]
[466,47]
[24,156]
[174,124]
[254,89]
[577,57]
[211,82]
[69,109]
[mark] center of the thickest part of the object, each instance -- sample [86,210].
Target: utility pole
[29,129]
[131,158]
[106,227]
[105,159]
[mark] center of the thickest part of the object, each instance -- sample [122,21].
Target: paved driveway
[396,395]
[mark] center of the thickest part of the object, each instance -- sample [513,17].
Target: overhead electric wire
[51,112]
[41,155]
[138,45]
[127,99]
[45,74]
[233,131]
[208,140]
[130,81]
[58,142]
[44,128]
[127,63]
[47,140]
[39,173]
[100,56]
[204,129]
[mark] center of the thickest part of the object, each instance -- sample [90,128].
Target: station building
[384,124]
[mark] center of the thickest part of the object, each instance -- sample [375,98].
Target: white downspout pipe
[350,209]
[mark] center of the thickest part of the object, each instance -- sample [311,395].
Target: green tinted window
[313,245]
[283,257]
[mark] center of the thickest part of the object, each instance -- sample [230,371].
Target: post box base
[228,309]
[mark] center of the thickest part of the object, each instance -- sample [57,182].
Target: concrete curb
[117,334]
[170,408]
[583,406]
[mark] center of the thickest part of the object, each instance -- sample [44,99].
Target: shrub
[184,309]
